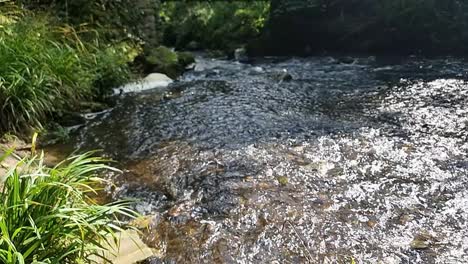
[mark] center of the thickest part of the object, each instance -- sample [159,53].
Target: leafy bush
[213,24]
[48,216]
[46,68]
[111,65]
[167,61]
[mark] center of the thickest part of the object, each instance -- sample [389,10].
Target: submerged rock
[422,240]
[282,180]
[347,60]
[283,76]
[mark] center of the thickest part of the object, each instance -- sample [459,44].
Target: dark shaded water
[364,161]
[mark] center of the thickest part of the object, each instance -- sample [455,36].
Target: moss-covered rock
[185,58]
[167,61]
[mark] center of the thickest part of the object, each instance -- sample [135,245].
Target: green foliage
[37,74]
[162,55]
[185,58]
[46,68]
[213,24]
[113,19]
[48,216]
[164,60]
[409,22]
[111,65]
[369,25]
[9,13]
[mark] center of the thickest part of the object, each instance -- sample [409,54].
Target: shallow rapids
[363,162]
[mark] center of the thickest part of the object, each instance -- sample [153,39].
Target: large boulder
[152,81]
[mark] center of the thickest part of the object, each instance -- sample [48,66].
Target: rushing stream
[363,162]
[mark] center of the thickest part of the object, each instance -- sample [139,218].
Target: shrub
[48,216]
[213,24]
[164,60]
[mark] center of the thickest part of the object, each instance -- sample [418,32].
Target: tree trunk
[147,29]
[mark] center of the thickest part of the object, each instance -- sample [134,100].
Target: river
[363,162]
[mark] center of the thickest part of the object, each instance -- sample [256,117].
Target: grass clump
[47,214]
[47,68]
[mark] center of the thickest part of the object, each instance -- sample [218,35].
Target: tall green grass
[46,68]
[37,75]
[48,216]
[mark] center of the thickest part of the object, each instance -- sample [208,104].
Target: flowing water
[363,162]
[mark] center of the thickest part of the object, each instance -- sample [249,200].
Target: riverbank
[53,71]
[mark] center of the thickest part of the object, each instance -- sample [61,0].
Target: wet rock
[157,77]
[191,66]
[151,81]
[92,107]
[405,218]
[347,60]
[422,240]
[332,60]
[283,76]
[240,55]
[371,223]
[258,69]
[69,119]
[419,244]
[212,73]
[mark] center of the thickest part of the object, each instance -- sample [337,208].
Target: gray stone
[152,81]
[240,55]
